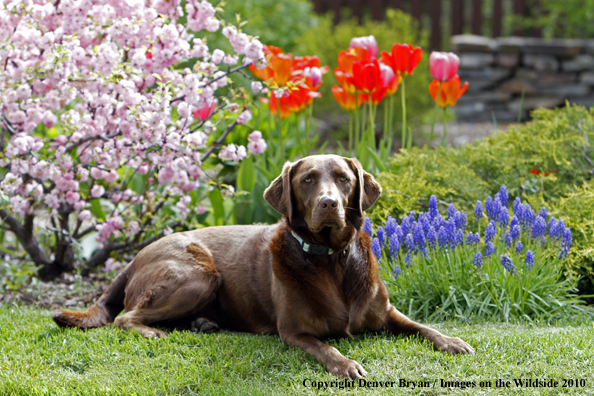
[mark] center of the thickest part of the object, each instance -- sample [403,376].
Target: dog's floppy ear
[367,191]
[280,193]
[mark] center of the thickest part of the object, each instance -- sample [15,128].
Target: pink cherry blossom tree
[100,131]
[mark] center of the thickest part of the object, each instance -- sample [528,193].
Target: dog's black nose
[328,203]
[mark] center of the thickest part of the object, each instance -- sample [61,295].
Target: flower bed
[511,268]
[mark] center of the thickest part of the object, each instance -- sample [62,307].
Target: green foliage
[263,19]
[556,142]
[560,18]
[326,41]
[577,210]
[286,140]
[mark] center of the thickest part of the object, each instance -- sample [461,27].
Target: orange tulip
[350,56]
[277,71]
[403,59]
[303,72]
[450,91]
[346,99]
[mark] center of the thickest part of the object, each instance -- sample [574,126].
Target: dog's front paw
[452,345]
[348,369]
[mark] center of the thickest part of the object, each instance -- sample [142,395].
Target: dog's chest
[334,302]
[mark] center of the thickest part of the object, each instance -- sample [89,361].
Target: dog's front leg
[398,324]
[326,354]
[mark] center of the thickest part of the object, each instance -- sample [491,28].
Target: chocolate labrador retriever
[310,276]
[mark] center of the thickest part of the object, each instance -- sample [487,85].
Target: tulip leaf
[246,176]
[378,162]
[216,200]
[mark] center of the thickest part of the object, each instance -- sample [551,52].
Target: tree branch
[89,138]
[206,84]
[219,141]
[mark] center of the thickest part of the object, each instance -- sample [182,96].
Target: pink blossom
[165,175]
[244,117]
[256,86]
[72,197]
[111,265]
[49,119]
[111,176]
[256,144]
[217,56]
[133,227]
[443,65]
[201,209]
[97,191]
[183,110]
[97,173]
[84,215]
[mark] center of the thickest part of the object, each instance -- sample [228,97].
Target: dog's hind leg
[184,289]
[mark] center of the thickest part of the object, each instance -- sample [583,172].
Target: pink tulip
[204,112]
[366,42]
[443,65]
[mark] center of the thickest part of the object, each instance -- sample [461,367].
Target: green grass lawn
[38,358]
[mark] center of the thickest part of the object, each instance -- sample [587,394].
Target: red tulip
[376,97]
[403,59]
[450,91]
[443,65]
[367,76]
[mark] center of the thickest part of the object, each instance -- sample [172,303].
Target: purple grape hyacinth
[433,211]
[367,226]
[376,249]
[381,236]
[394,245]
[503,195]
[506,261]
[529,260]
[490,231]
[477,260]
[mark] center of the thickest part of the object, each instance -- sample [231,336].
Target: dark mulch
[67,291]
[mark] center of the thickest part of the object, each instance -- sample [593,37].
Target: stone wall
[499,70]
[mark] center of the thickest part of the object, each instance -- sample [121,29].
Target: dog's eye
[343,179]
[307,180]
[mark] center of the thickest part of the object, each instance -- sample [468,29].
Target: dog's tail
[104,311]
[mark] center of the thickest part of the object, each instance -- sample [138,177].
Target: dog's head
[323,191]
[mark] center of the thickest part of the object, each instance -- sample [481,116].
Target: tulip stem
[403,93]
[371,128]
[280,130]
[351,133]
[445,130]
[435,115]
[357,123]
[390,123]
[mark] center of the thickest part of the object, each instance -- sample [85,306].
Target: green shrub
[556,142]
[559,18]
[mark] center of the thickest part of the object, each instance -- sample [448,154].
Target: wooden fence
[443,18]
